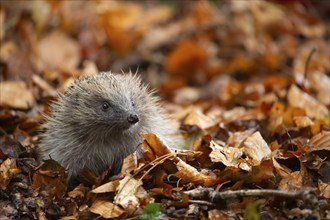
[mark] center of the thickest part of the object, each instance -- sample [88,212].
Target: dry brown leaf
[157,146]
[293,181]
[237,138]
[198,118]
[41,83]
[129,164]
[262,172]
[312,107]
[239,63]
[117,19]
[57,50]
[319,61]
[227,155]
[157,37]
[148,18]
[78,192]
[190,174]
[321,140]
[186,95]
[256,148]
[160,36]
[126,193]
[255,174]
[50,176]
[282,171]
[16,94]
[321,83]
[302,121]
[324,189]
[8,170]
[106,209]
[269,60]
[164,188]
[185,171]
[218,214]
[107,187]
[16,62]
[179,62]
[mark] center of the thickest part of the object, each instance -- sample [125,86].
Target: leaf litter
[247,81]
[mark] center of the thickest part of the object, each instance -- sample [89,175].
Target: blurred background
[217,52]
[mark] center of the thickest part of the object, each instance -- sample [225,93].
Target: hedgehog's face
[116,115]
[112,106]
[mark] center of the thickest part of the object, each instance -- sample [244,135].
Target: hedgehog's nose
[132,118]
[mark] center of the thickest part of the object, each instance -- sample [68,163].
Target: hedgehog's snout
[133,118]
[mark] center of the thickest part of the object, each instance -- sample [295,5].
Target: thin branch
[201,202]
[214,196]
[209,194]
[309,58]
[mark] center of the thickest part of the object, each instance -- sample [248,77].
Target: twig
[201,202]
[214,196]
[309,58]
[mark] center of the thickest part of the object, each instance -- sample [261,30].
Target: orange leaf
[186,59]
[8,170]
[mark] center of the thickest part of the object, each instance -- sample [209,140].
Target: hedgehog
[98,121]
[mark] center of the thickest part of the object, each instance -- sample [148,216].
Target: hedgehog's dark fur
[81,135]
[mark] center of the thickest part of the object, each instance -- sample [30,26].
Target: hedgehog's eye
[133,104]
[105,106]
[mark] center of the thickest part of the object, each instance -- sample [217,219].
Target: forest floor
[248,83]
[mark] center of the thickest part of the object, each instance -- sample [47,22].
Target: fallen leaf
[129,164]
[157,145]
[126,193]
[190,174]
[41,83]
[79,195]
[185,171]
[321,140]
[302,121]
[8,170]
[117,20]
[256,148]
[57,50]
[165,188]
[228,156]
[293,181]
[281,170]
[321,83]
[107,187]
[198,118]
[312,107]
[237,138]
[324,189]
[16,94]
[179,62]
[78,192]
[50,176]
[186,95]
[106,209]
